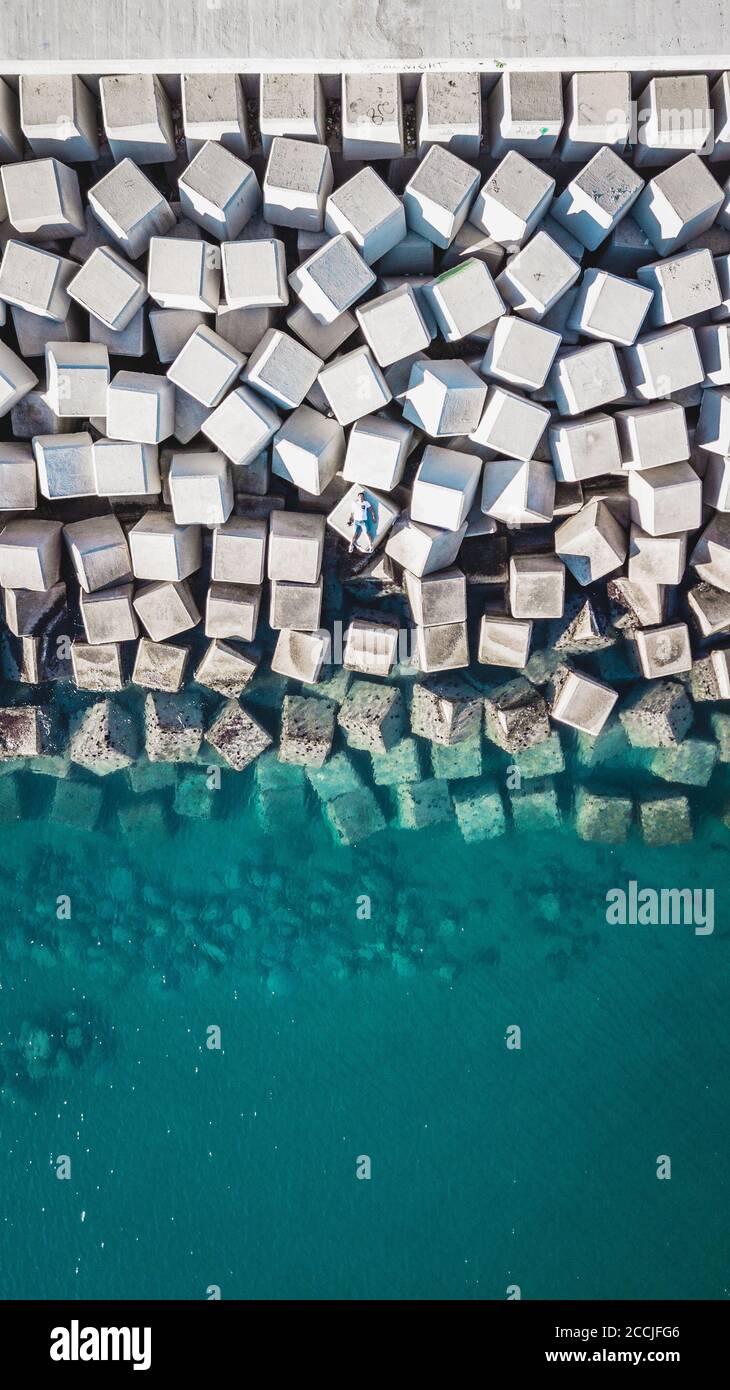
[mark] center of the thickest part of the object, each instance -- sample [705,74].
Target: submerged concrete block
[30,554]
[103,739]
[657,716]
[237,736]
[605,819]
[173,727]
[307,729]
[423,803]
[354,816]
[692,763]
[666,820]
[99,552]
[479,815]
[241,426]
[438,196]
[219,192]
[137,118]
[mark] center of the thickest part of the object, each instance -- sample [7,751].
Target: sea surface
[364,999]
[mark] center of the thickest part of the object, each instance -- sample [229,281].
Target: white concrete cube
[393,325]
[297,183]
[296,546]
[582,702]
[232,610]
[372,115]
[132,341]
[666,500]
[171,329]
[511,424]
[214,108]
[166,609]
[131,209]
[18,491]
[219,191]
[597,112]
[464,299]
[384,512]
[137,118]
[445,487]
[716,483]
[591,543]
[109,288]
[536,586]
[108,615]
[444,398]
[36,280]
[537,276]
[656,559]
[321,338]
[713,349]
[332,279]
[77,377]
[65,465]
[652,435]
[295,605]
[308,450]
[368,212]
[291,103]
[663,651]
[254,273]
[125,469]
[438,196]
[30,554]
[58,117]
[11,136]
[520,353]
[597,198]
[43,199]
[587,378]
[683,286]
[377,450]
[282,369]
[449,112]
[239,551]
[713,427]
[678,204]
[16,379]
[201,490]
[141,407]
[161,549]
[184,275]
[609,307]
[584,448]
[669,360]
[437,598]
[518,492]
[241,426]
[206,367]
[525,113]
[354,385]
[99,552]
[711,555]
[423,549]
[512,202]
[504,641]
[673,117]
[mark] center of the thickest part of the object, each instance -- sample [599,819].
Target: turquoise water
[342,1037]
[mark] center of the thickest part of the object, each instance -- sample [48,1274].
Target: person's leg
[357,528]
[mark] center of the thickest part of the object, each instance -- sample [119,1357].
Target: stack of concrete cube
[456,389]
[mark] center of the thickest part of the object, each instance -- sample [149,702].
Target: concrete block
[454,762]
[372,716]
[445,487]
[58,117]
[515,716]
[254,273]
[540,760]
[282,369]
[692,763]
[36,281]
[307,730]
[43,199]
[420,804]
[670,360]
[308,450]
[520,353]
[444,398]
[626,248]
[464,299]
[291,104]
[608,307]
[332,279]
[414,255]
[443,647]
[635,605]
[171,328]
[720,103]
[214,108]
[536,586]
[580,701]
[382,514]
[185,275]
[18,491]
[16,379]
[130,208]
[592,543]
[237,737]
[716,483]
[371,647]
[11,138]
[125,469]
[597,198]
[219,192]
[296,604]
[173,727]
[666,500]
[377,449]
[99,552]
[585,448]
[446,709]
[438,196]
[28,613]
[449,112]
[159,665]
[76,804]
[537,276]
[518,492]
[421,548]
[243,328]
[657,716]
[511,424]
[372,115]
[683,286]
[161,549]
[205,367]
[656,559]
[132,341]
[108,615]
[296,546]
[192,797]
[30,554]
[354,816]
[300,656]
[673,116]
[97,668]
[137,119]
[201,490]
[678,204]
[140,407]
[366,210]
[504,641]
[479,815]
[713,427]
[402,763]
[241,426]
[709,609]
[239,549]
[720,660]
[605,819]
[297,183]
[597,112]
[525,113]
[651,436]
[394,326]
[437,598]
[587,378]
[713,349]
[102,739]
[354,385]
[322,339]
[666,820]
[512,202]
[33,415]
[109,288]
[65,465]
[77,376]
[663,651]
[166,609]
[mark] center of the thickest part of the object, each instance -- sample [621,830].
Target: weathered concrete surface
[166,35]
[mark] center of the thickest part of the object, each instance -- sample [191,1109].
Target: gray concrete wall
[169,35]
